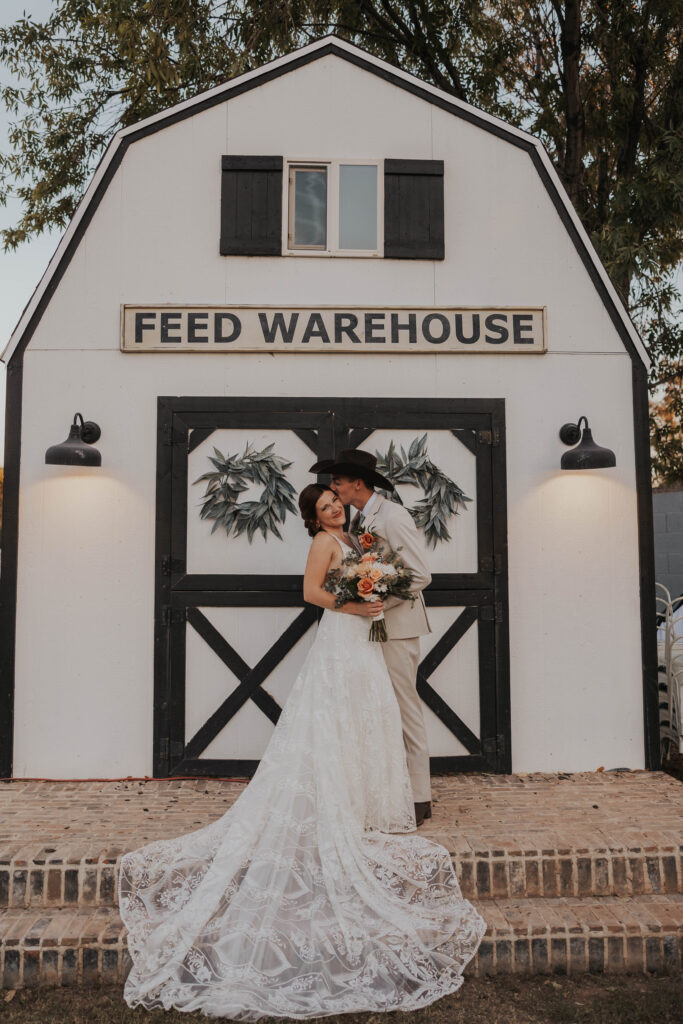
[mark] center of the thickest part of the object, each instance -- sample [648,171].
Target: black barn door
[231,628]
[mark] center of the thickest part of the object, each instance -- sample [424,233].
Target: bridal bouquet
[372,576]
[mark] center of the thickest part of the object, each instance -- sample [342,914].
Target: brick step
[561,935]
[62,947]
[583,872]
[77,879]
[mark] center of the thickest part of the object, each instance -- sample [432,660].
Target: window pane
[357,206]
[310,207]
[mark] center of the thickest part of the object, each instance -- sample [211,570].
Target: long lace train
[299,901]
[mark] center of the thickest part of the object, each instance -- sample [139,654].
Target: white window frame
[332,248]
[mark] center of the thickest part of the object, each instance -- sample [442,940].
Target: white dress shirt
[368,504]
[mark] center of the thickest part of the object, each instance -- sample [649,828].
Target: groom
[354,478]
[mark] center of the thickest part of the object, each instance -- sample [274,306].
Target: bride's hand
[370,608]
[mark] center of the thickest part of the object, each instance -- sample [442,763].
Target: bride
[299,901]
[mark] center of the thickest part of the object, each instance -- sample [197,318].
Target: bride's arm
[320,557]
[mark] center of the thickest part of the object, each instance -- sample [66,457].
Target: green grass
[585,999]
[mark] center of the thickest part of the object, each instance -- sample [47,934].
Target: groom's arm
[400,532]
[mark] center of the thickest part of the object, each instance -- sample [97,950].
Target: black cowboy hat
[353,462]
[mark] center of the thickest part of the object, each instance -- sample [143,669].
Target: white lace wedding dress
[298,902]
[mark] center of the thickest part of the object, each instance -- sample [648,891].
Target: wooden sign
[332,329]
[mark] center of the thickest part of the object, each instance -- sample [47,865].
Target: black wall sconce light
[76,450]
[587,454]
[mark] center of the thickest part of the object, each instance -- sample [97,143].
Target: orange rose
[376,574]
[366,540]
[367,558]
[365,587]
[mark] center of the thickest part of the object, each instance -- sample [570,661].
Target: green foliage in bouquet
[232,476]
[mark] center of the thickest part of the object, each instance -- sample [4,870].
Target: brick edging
[623,871]
[543,936]
[496,874]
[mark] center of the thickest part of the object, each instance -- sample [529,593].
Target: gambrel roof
[284,65]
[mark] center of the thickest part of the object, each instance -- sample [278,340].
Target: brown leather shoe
[423,810]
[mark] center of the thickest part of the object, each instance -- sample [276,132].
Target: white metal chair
[670,669]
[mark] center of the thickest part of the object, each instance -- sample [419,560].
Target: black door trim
[323,425]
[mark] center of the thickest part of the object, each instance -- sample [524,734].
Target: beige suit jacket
[393,524]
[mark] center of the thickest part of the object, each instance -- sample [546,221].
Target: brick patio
[572,872]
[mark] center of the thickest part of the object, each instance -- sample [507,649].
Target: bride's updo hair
[307,502]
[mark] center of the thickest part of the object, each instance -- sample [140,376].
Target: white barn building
[320,254]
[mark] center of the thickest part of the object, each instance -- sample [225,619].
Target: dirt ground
[585,999]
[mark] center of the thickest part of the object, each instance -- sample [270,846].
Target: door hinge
[494,745]
[491,437]
[170,616]
[491,563]
[170,749]
[491,612]
[170,565]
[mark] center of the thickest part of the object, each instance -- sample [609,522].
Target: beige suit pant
[402,658]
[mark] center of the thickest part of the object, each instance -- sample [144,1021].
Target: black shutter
[251,206]
[413,209]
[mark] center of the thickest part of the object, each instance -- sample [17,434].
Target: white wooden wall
[84,657]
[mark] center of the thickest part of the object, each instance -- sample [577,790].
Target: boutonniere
[366,538]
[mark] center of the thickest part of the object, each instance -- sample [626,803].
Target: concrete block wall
[667,507]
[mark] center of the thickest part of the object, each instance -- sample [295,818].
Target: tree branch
[575,122]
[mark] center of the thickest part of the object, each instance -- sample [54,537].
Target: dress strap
[341,543]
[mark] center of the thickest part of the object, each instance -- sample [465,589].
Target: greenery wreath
[442,496]
[232,476]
